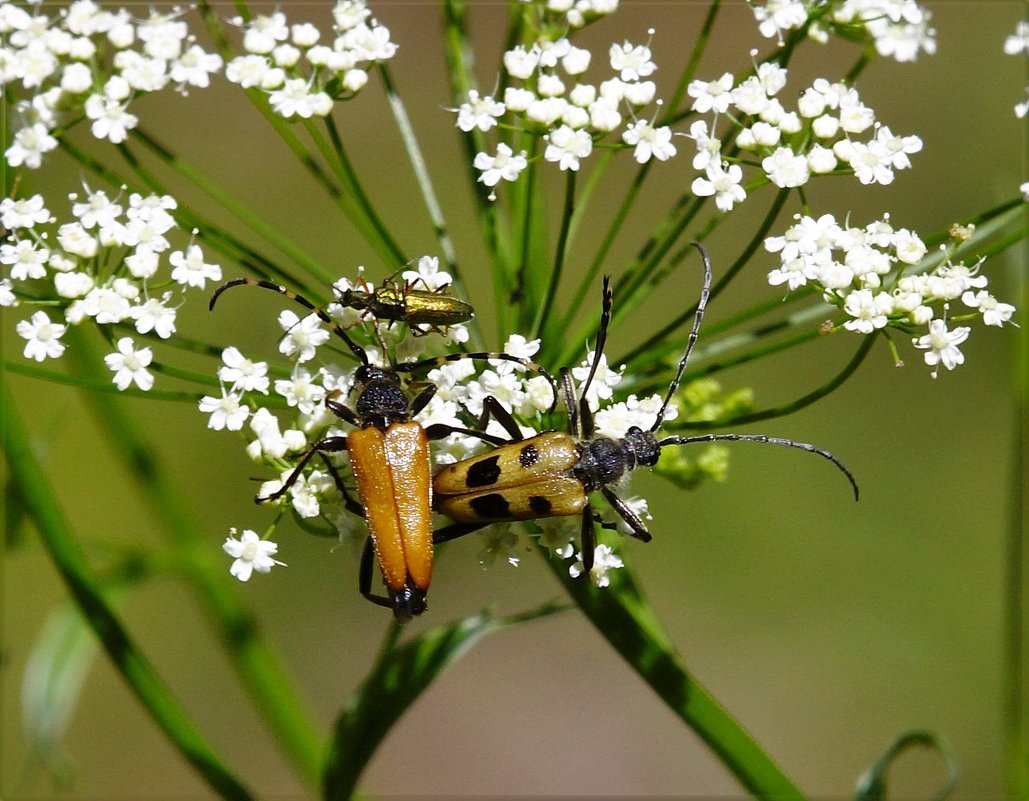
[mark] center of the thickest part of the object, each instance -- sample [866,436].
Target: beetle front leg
[327,445]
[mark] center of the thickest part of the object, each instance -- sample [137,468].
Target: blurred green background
[827,628]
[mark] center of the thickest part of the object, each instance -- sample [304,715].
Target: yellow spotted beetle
[389,454]
[552,474]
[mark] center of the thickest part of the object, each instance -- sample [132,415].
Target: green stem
[218,239]
[741,261]
[258,667]
[691,66]
[623,617]
[796,405]
[92,384]
[605,246]
[255,222]
[62,547]
[358,206]
[559,257]
[421,171]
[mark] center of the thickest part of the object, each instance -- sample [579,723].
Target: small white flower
[567,146]
[226,411]
[724,184]
[301,391]
[504,166]
[941,345]
[42,337]
[709,149]
[521,63]
[711,95]
[129,365]
[519,346]
[154,315]
[632,63]
[604,379]
[869,311]
[30,143]
[111,121]
[428,275]
[191,269]
[994,312]
[479,112]
[786,169]
[604,560]
[25,260]
[649,141]
[195,66]
[295,98]
[303,336]
[250,553]
[23,212]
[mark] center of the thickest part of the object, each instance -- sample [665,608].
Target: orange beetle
[389,455]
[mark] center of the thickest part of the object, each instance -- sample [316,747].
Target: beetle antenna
[788,443]
[335,327]
[704,294]
[605,321]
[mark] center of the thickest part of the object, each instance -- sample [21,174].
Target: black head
[641,448]
[408,603]
[379,398]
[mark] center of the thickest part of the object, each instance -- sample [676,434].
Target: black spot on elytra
[540,505]
[484,473]
[490,506]
[528,456]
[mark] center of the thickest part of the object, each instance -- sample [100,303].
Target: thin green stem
[691,65]
[255,222]
[605,245]
[360,209]
[421,172]
[62,546]
[559,256]
[784,409]
[687,315]
[623,617]
[218,239]
[92,384]
[258,667]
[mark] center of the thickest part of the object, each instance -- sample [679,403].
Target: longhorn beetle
[551,474]
[396,301]
[389,454]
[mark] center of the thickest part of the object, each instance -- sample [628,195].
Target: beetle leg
[364,577]
[455,530]
[587,538]
[639,528]
[342,411]
[422,399]
[351,505]
[441,430]
[327,445]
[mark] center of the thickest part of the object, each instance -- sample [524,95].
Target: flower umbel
[250,553]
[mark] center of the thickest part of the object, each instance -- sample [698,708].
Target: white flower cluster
[831,130]
[820,137]
[574,13]
[899,28]
[302,75]
[461,389]
[548,98]
[87,61]
[1018,44]
[864,271]
[103,266]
